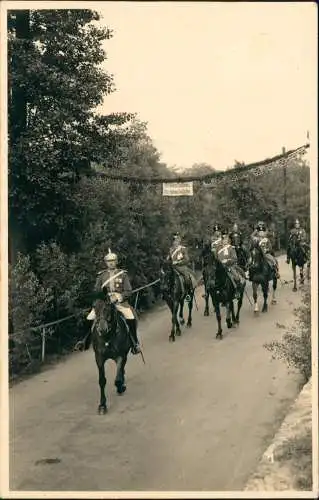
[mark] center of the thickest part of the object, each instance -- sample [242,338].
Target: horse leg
[274,288]
[190,309]
[239,304]
[175,324]
[265,289]
[206,312]
[302,279]
[181,312]
[229,322]
[100,361]
[232,310]
[120,374]
[255,288]
[295,277]
[219,333]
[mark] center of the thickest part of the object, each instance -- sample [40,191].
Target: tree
[55,84]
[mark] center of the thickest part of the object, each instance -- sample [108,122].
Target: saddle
[185,281]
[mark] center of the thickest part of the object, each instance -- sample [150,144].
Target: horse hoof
[264,309]
[178,333]
[294,289]
[229,324]
[274,301]
[256,311]
[219,335]
[182,321]
[171,339]
[206,313]
[121,389]
[102,410]
[189,325]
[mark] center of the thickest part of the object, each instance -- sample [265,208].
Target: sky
[216,82]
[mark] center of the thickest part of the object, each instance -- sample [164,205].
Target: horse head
[214,270]
[256,258]
[166,275]
[104,312]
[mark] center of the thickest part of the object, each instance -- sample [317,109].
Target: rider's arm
[185,256]
[98,283]
[127,288]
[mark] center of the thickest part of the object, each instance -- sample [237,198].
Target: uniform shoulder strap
[103,271]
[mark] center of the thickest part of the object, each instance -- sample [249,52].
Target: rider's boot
[136,348]
[277,270]
[189,290]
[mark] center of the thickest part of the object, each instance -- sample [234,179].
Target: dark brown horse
[110,337]
[260,273]
[175,289]
[220,288]
[299,256]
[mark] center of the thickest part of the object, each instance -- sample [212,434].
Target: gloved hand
[115,297]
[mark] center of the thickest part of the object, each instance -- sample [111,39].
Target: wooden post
[136,300]
[43,344]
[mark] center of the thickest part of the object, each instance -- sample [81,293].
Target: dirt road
[198,416]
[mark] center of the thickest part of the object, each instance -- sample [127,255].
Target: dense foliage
[64,217]
[295,346]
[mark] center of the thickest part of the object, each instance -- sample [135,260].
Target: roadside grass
[296,453]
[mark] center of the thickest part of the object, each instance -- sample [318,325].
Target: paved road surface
[198,416]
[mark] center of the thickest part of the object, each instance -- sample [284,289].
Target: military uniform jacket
[178,255]
[116,281]
[263,240]
[300,233]
[227,255]
[216,241]
[236,239]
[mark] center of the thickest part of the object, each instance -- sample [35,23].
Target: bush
[295,346]
[29,303]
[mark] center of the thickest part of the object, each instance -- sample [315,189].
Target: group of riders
[227,246]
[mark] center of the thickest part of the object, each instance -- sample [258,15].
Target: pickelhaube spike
[110,256]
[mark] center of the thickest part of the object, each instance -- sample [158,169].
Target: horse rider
[178,255]
[260,234]
[237,241]
[119,290]
[300,233]
[216,238]
[227,255]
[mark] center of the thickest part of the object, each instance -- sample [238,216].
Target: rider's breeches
[272,260]
[236,273]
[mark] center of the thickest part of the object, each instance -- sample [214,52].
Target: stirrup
[136,349]
[187,298]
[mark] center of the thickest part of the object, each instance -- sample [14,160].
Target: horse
[298,257]
[220,288]
[206,258]
[110,337]
[175,290]
[242,258]
[241,251]
[260,273]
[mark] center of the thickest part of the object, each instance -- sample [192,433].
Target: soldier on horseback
[260,235]
[301,235]
[236,240]
[178,255]
[216,238]
[119,290]
[226,254]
